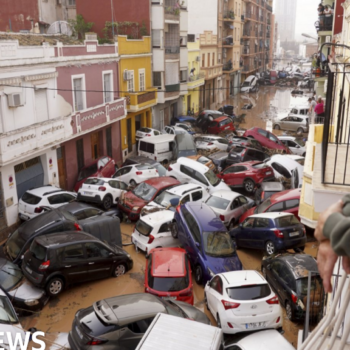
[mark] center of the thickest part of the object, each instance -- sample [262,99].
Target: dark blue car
[206,240]
[270,232]
[182,119]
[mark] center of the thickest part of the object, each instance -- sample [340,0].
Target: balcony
[172,10]
[227,67]
[229,15]
[268,21]
[324,24]
[268,34]
[195,81]
[172,91]
[137,101]
[212,72]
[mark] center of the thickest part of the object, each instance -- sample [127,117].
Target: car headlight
[128,255]
[135,208]
[211,273]
[31,302]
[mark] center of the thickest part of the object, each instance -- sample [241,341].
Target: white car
[153,231]
[146,132]
[229,206]
[189,171]
[295,145]
[186,126]
[284,166]
[185,193]
[32,201]
[136,173]
[267,340]
[299,159]
[173,130]
[210,142]
[250,84]
[242,301]
[102,190]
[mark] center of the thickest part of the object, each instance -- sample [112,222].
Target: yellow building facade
[195,79]
[135,82]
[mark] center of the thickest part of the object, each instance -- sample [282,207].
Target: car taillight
[156,171]
[229,304]
[138,172]
[294,298]
[230,142]
[278,233]
[178,209]
[148,135]
[150,239]
[102,188]
[222,217]
[210,143]
[77,227]
[38,210]
[186,293]
[278,319]
[96,341]
[229,324]
[170,168]
[243,153]
[273,300]
[44,265]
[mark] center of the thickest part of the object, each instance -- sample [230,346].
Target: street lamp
[309,36]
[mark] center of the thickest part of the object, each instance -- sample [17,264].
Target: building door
[129,134]
[166,116]
[95,145]
[61,166]
[138,122]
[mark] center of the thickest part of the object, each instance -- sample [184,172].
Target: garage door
[28,175]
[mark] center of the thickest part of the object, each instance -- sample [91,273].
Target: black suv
[240,154]
[57,260]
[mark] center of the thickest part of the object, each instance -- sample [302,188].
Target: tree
[80,27]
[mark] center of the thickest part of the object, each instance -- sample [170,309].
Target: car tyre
[54,287]
[218,321]
[198,274]
[299,249]
[289,311]
[107,202]
[119,270]
[249,185]
[300,131]
[270,248]
[277,127]
[133,183]
[174,229]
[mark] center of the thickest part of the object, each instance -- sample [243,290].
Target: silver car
[297,120]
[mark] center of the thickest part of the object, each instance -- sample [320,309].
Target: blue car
[182,119]
[270,232]
[206,240]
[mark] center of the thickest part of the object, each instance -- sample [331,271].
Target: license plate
[293,234]
[29,270]
[79,332]
[169,298]
[88,193]
[227,127]
[255,325]
[268,173]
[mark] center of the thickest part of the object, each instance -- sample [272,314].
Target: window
[59,199]
[142,80]
[186,199]
[94,250]
[208,61]
[293,203]
[183,76]
[146,147]
[276,207]
[73,252]
[164,228]
[131,81]
[78,94]
[157,79]
[262,132]
[243,200]
[199,177]
[216,284]
[203,60]
[87,213]
[107,87]
[140,326]
[248,223]
[191,38]
[71,2]
[80,153]
[213,59]
[261,223]
[183,41]
[281,169]
[273,138]
[156,38]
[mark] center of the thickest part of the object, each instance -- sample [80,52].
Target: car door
[292,206]
[117,188]
[100,260]
[215,294]
[74,263]
[273,272]
[244,234]
[197,195]
[193,238]
[235,210]
[164,237]
[244,205]
[260,233]
[124,174]
[229,175]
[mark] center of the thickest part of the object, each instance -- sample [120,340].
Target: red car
[287,201]
[246,175]
[101,167]
[220,124]
[168,274]
[143,193]
[267,139]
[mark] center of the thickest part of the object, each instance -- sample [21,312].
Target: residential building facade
[135,81]
[170,58]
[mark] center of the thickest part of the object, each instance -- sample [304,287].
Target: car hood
[225,264]
[25,291]
[133,200]
[220,186]
[192,312]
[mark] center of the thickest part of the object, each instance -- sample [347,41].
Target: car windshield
[164,198]
[259,166]
[144,191]
[160,168]
[249,292]
[285,221]
[218,203]
[7,314]
[168,284]
[10,275]
[14,244]
[263,206]
[218,244]
[212,178]
[315,288]
[300,142]
[87,172]
[246,83]
[30,198]
[143,228]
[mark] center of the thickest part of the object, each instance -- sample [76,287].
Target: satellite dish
[60,27]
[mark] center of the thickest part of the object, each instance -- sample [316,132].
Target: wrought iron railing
[172,49]
[324,23]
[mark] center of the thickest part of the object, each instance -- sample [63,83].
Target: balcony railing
[242,17]
[268,21]
[229,15]
[196,77]
[248,15]
[172,87]
[261,18]
[324,23]
[172,50]
[227,66]
[172,7]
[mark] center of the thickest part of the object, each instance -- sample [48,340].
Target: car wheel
[231,225]
[277,127]
[249,185]
[263,271]
[174,229]
[107,202]
[218,321]
[289,311]
[133,183]
[270,248]
[206,301]
[54,287]
[300,131]
[299,249]
[198,274]
[119,270]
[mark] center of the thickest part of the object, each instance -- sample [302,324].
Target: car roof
[180,189]
[44,190]
[193,164]
[124,309]
[160,182]
[75,206]
[285,195]
[272,186]
[299,264]
[226,194]
[272,215]
[168,262]
[284,160]
[140,159]
[244,277]
[158,217]
[292,138]
[65,237]
[206,217]
[159,138]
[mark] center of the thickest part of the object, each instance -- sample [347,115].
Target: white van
[176,333]
[159,148]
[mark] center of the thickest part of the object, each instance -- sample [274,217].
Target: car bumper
[21,306]
[72,343]
[291,243]
[91,199]
[35,278]
[132,215]
[26,216]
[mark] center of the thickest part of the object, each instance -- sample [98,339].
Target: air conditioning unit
[127,75]
[15,100]
[198,58]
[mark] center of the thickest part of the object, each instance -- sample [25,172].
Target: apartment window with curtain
[78,87]
[213,59]
[208,59]
[131,81]
[183,76]
[107,87]
[203,60]
[142,80]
